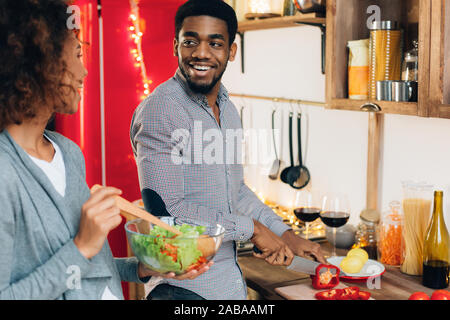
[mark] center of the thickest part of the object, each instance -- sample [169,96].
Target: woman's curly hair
[32,37]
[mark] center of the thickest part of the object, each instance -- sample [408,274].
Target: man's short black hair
[213,8]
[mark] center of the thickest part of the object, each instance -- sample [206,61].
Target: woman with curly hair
[53,231]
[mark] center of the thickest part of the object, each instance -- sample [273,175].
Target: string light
[136,35]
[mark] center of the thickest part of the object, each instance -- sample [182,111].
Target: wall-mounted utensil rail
[275,99]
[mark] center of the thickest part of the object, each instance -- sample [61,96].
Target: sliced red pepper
[363,295]
[200,261]
[349,293]
[324,278]
[332,294]
[170,254]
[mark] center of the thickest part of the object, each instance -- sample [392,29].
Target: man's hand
[191,275]
[302,247]
[274,250]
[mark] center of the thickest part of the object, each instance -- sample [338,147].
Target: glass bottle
[366,237]
[289,8]
[436,248]
[410,69]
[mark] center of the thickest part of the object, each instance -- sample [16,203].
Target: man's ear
[233,50]
[175,47]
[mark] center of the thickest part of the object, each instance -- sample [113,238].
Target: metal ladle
[275,169]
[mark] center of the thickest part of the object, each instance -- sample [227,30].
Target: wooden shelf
[391,107]
[280,22]
[347,20]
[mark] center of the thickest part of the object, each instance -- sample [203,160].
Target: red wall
[123,85]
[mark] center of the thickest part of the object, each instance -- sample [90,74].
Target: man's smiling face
[203,51]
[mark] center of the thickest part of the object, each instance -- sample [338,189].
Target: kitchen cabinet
[347,20]
[440,59]
[280,22]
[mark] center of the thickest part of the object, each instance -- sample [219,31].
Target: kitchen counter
[262,279]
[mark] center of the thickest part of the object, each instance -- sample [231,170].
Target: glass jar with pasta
[416,204]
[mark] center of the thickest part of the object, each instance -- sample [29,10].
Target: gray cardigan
[38,258]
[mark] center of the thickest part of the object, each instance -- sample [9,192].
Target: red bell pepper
[324,278]
[363,295]
[349,293]
[332,294]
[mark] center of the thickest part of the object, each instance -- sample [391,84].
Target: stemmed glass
[335,213]
[307,207]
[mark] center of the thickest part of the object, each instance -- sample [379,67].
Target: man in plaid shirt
[205,183]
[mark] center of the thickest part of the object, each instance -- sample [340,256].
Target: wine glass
[335,213]
[307,207]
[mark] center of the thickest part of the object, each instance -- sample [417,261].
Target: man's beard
[201,88]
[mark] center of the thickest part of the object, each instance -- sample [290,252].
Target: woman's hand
[191,275]
[99,215]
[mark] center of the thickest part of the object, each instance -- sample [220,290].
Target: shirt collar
[198,97]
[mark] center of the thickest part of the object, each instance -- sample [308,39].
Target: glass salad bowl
[162,251]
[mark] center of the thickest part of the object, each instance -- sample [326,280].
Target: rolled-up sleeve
[159,160]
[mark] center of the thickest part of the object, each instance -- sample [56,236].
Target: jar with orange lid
[390,244]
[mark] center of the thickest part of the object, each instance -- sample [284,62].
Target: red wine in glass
[307,214]
[334,219]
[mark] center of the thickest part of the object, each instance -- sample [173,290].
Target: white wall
[287,63]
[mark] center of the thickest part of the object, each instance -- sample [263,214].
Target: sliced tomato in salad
[196,266]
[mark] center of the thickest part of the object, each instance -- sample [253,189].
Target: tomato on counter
[419,296]
[440,295]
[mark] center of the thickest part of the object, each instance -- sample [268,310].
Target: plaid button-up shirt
[199,182]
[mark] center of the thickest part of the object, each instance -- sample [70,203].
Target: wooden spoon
[127,208]
[205,244]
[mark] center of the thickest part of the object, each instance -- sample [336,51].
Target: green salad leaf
[165,253]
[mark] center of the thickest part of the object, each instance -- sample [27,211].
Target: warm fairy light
[259,6]
[136,35]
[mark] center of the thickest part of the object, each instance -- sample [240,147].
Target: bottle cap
[384,25]
[370,215]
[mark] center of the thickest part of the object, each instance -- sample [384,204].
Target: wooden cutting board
[303,291]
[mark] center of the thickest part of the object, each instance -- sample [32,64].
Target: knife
[303,265]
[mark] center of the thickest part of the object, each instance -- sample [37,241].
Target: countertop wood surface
[262,279]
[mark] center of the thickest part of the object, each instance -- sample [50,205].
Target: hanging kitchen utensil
[299,176]
[308,6]
[275,169]
[284,173]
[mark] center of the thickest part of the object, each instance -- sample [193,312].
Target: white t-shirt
[54,170]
